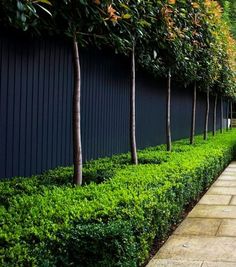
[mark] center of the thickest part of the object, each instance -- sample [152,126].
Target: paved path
[207,237]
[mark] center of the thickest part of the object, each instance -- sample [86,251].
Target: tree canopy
[193,38]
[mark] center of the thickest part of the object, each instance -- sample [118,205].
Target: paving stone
[173,263]
[198,248]
[225,183]
[233,201]
[195,226]
[220,190]
[215,199]
[230,169]
[227,228]
[227,177]
[230,166]
[230,173]
[213,211]
[218,264]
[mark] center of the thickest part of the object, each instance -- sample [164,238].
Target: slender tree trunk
[133,146]
[221,115]
[214,116]
[227,116]
[207,114]
[193,123]
[231,114]
[168,122]
[77,148]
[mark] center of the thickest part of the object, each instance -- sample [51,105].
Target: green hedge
[45,221]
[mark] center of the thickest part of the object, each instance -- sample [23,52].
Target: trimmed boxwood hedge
[45,221]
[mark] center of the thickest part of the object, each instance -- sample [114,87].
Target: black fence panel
[36,83]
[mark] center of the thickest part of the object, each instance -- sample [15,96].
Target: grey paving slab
[231,165]
[233,200]
[227,177]
[230,169]
[227,228]
[218,264]
[225,183]
[213,211]
[228,172]
[222,190]
[198,248]
[215,199]
[174,263]
[196,226]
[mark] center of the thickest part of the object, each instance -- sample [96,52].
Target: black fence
[36,102]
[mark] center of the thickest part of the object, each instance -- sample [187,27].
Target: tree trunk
[133,147]
[207,114]
[214,116]
[231,114]
[227,116]
[221,115]
[77,148]
[168,127]
[193,123]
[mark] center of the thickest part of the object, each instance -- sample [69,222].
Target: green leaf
[126,16]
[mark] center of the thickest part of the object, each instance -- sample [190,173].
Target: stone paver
[207,237]
[229,172]
[199,248]
[220,190]
[217,264]
[231,166]
[174,263]
[230,169]
[214,211]
[227,228]
[225,183]
[196,226]
[233,201]
[215,200]
[227,177]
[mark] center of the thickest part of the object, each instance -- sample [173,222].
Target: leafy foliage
[190,37]
[47,222]
[229,7]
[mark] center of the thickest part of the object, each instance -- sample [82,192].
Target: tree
[180,40]
[129,34]
[227,116]
[165,42]
[221,115]
[168,105]
[80,21]
[183,40]
[207,114]
[231,114]
[214,115]
[24,14]
[193,121]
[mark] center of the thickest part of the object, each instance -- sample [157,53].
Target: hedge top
[45,222]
